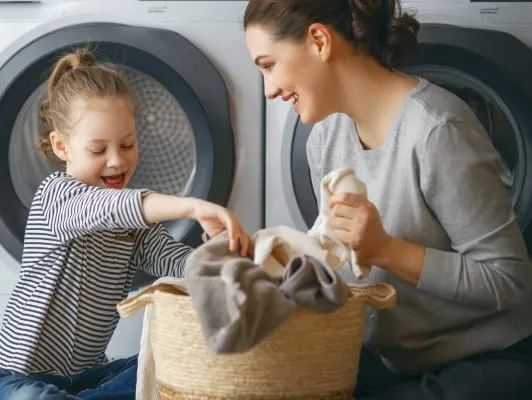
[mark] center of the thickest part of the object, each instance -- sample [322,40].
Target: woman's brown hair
[378,27]
[76,76]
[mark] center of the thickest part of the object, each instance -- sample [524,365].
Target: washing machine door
[490,71]
[185,137]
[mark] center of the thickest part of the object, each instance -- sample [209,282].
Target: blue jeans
[499,375]
[115,380]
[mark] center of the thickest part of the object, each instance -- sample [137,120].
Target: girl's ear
[59,145]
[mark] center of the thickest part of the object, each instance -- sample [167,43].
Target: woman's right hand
[215,219]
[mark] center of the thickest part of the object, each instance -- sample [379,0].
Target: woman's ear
[320,39]
[59,145]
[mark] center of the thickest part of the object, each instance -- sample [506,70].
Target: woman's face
[296,71]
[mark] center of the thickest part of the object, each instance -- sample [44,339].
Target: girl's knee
[28,392]
[19,387]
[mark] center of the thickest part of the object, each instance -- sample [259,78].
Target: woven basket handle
[134,303]
[378,295]
[144,296]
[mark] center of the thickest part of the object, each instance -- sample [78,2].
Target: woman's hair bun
[388,34]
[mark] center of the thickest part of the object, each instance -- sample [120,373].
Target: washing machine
[481,51]
[199,108]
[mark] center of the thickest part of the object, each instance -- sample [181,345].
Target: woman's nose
[271,91]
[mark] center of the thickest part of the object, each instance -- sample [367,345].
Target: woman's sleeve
[460,179]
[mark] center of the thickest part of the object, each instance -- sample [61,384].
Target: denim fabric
[496,375]
[115,380]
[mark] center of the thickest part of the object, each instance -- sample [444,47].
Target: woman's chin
[309,117]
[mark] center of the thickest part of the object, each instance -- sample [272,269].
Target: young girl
[85,238]
[438,222]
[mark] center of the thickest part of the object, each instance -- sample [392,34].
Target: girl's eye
[128,146]
[97,151]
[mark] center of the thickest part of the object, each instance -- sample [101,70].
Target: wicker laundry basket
[311,356]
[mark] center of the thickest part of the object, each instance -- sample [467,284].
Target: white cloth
[275,247]
[146,382]
[341,180]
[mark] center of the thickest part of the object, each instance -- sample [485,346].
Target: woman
[438,223]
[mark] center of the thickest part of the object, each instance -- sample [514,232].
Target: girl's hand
[356,222]
[215,219]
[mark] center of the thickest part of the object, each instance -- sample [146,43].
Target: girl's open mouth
[115,181]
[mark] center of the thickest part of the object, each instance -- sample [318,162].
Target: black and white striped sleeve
[72,208]
[159,254]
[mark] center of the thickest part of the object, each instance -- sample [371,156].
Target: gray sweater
[435,181]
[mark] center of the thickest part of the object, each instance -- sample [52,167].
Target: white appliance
[199,103]
[482,51]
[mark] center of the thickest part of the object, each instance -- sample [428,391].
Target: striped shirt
[82,248]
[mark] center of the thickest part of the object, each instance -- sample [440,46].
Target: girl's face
[296,71]
[102,149]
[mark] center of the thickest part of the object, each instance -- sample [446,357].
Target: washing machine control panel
[513,17]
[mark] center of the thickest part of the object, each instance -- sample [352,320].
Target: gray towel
[239,304]
[313,285]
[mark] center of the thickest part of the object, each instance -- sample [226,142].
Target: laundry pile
[239,301]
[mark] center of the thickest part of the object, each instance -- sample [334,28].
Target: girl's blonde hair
[76,76]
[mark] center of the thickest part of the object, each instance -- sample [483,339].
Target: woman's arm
[462,185]
[489,265]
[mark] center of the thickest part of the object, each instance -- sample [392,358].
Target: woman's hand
[356,222]
[215,219]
